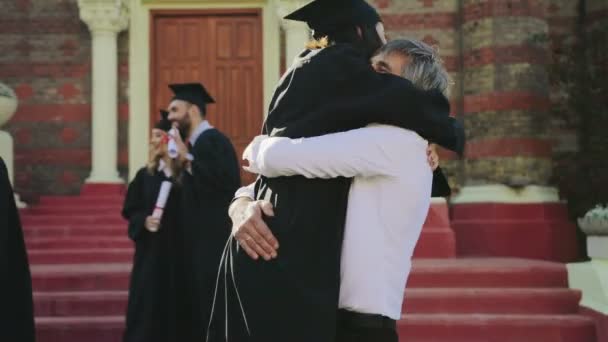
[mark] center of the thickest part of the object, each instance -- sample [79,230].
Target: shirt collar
[203,126]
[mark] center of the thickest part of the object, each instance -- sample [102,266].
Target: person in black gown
[212,176]
[17,307]
[156,298]
[292,295]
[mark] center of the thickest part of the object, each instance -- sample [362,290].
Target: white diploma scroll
[172,146]
[161,201]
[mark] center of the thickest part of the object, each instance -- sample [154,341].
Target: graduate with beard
[292,295]
[17,308]
[157,301]
[212,176]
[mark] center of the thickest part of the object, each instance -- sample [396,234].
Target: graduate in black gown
[156,298]
[209,183]
[17,308]
[330,88]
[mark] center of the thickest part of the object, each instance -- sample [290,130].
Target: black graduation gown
[294,298]
[207,193]
[156,300]
[17,308]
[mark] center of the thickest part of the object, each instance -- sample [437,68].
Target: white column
[105,19]
[297,34]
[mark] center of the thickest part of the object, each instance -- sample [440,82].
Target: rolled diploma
[172,146]
[161,201]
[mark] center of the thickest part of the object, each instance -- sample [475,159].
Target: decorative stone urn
[595,225]
[8,103]
[595,221]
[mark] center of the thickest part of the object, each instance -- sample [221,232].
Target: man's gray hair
[425,69]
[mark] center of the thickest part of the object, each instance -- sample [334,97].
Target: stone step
[78,242]
[91,231]
[80,304]
[496,328]
[491,301]
[426,273]
[80,256]
[79,329]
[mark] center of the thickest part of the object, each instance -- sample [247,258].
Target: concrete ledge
[498,193]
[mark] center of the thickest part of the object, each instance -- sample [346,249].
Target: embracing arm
[369,151]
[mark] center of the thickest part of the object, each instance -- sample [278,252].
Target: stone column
[297,34]
[508,159]
[105,19]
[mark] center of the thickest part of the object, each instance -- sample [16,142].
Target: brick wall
[46,59]
[435,22]
[500,87]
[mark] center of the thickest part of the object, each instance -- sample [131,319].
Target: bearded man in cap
[292,295]
[208,185]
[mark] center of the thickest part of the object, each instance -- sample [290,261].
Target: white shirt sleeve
[369,151]
[246,191]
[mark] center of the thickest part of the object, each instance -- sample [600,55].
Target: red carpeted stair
[81,258]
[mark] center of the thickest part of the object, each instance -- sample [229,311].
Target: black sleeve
[381,98]
[18,302]
[441,187]
[134,207]
[215,166]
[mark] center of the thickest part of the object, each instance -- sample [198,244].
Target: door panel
[224,52]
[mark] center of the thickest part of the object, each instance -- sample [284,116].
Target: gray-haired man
[388,200]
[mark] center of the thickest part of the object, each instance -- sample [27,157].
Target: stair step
[492,301]
[76,230]
[80,304]
[487,272]
[81,256]
[78,242]
[34,220]
[435,243]
[77,329]
[426,273]
[86,209]
[77,200]
[496,328]
[81,277]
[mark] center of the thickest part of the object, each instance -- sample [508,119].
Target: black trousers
[356,327]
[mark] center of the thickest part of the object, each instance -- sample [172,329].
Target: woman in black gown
[156,295]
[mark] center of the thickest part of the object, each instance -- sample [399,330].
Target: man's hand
[433,157]
[152,224]
[250,230]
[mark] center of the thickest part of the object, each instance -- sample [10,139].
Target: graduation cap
[164,123]
[328,15]
[194,93]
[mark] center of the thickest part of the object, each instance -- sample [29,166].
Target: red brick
[53,112]
[499,8]
[505,101]
[23,136]
[69,91]
[419,21]
[24,91]
[506,55]
[69,135]
[508,147]
[52,70]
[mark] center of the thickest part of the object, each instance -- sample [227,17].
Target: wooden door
[223,51]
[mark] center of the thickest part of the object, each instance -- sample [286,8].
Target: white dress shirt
[387,206]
